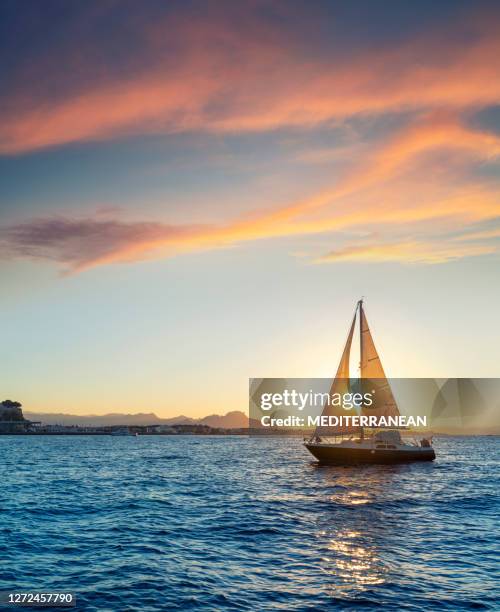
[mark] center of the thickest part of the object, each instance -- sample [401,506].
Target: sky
[193,194]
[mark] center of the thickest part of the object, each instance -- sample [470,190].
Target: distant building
[12,419]
[165,429]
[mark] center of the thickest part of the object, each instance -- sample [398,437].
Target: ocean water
[232,523]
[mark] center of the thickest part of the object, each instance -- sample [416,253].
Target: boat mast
[360,308]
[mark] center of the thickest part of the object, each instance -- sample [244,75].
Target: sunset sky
[195,193]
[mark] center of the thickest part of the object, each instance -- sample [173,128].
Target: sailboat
[357,445]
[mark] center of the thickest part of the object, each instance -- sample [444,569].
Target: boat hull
[345,455]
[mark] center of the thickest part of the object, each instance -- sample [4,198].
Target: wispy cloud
[374,192]
[80,243]
[245,75]
[410,251]
[228,72]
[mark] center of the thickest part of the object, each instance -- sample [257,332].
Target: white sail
[340,385]
[373,375]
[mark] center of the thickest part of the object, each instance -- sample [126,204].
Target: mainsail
[340,385]
[373,375]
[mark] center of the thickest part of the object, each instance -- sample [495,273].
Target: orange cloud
[366,194]
[411,251]
[256,78]
[374,192]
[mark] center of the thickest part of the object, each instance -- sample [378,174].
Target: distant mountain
[231,420]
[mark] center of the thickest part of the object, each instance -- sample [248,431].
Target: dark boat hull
[338,455]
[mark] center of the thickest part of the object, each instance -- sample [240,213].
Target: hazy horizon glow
[194,194]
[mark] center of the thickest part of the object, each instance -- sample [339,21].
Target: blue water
[231,523]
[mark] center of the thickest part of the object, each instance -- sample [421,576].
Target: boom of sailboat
[357,445]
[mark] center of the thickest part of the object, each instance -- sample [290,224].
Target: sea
[237,523]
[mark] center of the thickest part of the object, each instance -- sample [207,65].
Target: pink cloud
[80,243]
[219,75]
[384,188]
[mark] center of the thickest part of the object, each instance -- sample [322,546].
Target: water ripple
[230,523]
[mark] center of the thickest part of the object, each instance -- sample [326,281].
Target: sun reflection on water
[354,548]
[351,498]
[351,563]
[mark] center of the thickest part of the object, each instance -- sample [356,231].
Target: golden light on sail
[372,378]
[340,385]
[372,373]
